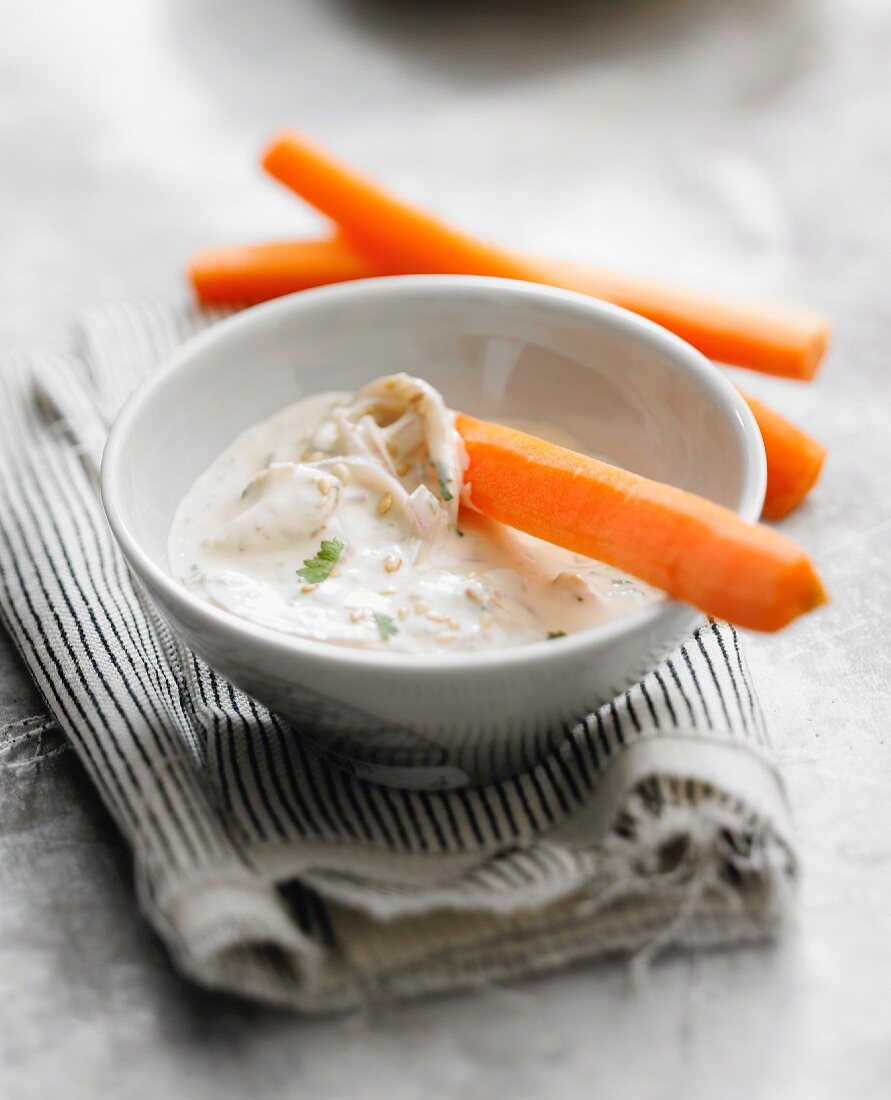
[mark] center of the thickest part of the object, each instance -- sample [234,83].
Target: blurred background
[742,146]
[703,140]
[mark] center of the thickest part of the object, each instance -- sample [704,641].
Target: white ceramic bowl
[627,388]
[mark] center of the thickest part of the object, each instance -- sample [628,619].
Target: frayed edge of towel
[684,866]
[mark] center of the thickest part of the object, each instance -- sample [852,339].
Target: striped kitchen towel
[266,871]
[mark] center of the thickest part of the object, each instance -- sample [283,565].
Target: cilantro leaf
[316,569]
[556,634]
[444,481]
[385,625]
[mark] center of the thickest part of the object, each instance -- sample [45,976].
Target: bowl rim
[720,389]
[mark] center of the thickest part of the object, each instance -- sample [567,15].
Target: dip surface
[337,520]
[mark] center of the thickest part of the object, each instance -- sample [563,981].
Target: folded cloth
[266,871]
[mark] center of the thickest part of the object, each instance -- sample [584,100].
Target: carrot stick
[794,460]
[403,239]
[246,274]
[691,548]
[776,340]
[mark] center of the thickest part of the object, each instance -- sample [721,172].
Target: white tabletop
[740,146]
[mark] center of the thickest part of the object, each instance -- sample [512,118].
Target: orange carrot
[691,548]
[245,274]
[403,239]
[775,340]
[794,460]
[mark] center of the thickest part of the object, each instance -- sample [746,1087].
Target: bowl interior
[494,349]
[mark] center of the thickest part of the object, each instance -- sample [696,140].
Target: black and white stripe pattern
[244,836]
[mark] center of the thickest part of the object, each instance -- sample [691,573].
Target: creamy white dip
[338,520]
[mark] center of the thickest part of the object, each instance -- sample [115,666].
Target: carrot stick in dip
[404,239]
[691,548]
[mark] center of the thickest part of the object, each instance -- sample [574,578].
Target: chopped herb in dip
[317,569]
[444,481]
[385,625]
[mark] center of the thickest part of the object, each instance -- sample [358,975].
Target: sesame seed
[307,588]
[473,594]
[385,504]
[422,607]
[435,617]
[496,600]
[356,616]
[388,591]
[402,469]
[446,636]
[324,486]
[453,625]
[392,564]
[342,472]
[485,619]
[402,613]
